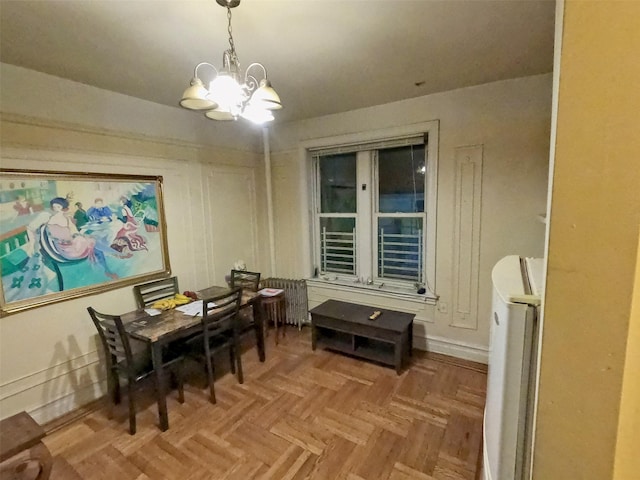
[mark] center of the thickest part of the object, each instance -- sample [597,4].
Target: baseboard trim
[466,351]
[74,415]
[69,403]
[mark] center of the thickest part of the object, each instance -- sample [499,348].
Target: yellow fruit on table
[181,299]
[160,304]
[169,303]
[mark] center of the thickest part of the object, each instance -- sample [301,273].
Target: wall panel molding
[227,189]
[38,378]
[122,137]
[68,402]
[50,393]
[466,236]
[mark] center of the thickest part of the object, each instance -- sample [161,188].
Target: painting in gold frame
[66,235]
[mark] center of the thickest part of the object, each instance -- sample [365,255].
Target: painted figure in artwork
[80,216]
[66,243]
[99,212]
[22,206]
[127,239]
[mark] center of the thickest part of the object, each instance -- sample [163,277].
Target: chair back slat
[113,336]
[148,293]
[219,313]
[247,280]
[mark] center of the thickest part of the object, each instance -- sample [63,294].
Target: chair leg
[113,384]
[232,358]
[132,408]
[113,391]
[210,376]
[238,355]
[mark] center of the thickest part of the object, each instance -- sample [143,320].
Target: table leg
[156,355]
[258,324]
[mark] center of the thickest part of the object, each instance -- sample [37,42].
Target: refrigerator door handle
[495,318]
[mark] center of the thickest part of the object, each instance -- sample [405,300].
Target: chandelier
[230,94]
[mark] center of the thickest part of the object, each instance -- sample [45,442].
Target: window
[373,213]
[338,213]
[399,213]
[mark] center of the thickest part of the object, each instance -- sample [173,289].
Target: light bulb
[226,92]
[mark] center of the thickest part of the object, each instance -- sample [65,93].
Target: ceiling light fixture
[227,98]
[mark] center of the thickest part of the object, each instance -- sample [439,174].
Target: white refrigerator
[517,290]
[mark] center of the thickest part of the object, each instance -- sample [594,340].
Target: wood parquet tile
[301,415]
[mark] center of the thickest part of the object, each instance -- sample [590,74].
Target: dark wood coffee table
[346,327]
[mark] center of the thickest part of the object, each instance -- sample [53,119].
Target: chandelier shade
[217,114]
[195,97]
[266,96]
[228,97]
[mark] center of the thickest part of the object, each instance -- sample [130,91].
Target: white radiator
[295,294]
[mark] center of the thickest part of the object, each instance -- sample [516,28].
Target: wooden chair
[121,362]
[219,331]
[246,280]
[148,293]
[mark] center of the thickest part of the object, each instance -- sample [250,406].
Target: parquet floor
[299,415]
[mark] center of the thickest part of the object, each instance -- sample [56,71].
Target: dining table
[159,330]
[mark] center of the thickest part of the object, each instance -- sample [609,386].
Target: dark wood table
[346,327]
[171,325]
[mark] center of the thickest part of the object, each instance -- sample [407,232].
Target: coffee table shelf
[364,347]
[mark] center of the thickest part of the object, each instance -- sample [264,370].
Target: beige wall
[510,121]
[593,240]
[49,355]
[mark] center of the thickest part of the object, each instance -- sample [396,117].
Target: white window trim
[309,188]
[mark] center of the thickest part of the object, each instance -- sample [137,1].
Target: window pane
[338,183]
[337,245]
[401,173]
[400,248]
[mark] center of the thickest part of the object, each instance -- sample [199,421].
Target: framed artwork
[66,235]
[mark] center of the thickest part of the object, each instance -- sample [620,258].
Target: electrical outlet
[442,307]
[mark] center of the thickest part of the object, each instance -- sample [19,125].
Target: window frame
[376,138]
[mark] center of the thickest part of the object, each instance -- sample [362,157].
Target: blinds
[419,139]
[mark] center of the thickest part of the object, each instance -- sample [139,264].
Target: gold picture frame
[65,235]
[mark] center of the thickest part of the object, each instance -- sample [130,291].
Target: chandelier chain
[231,44]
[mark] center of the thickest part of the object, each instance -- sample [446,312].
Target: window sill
[374,290]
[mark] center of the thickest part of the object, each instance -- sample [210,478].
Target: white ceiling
[322,56]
